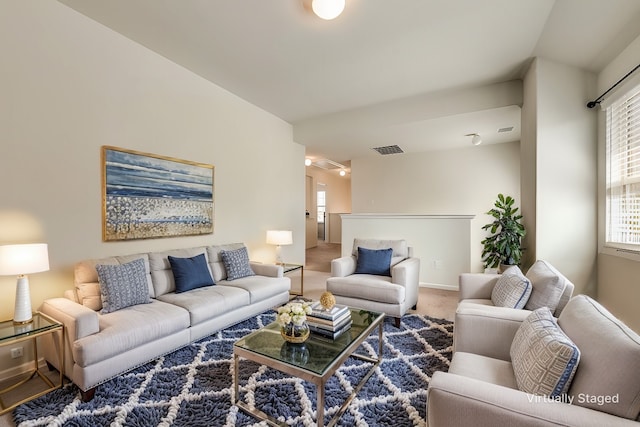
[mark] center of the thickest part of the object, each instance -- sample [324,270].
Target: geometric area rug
[193,385]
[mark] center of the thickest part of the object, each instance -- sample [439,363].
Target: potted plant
[503,247]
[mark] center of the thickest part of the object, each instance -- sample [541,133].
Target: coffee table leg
[236,391]
[320,402]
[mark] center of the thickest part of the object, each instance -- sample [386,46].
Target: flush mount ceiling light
[475,138]
[327,9]
[307,162]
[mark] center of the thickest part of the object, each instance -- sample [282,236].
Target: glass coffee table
[315,361]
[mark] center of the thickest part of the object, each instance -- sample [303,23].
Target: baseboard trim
[14,372]
[439,286]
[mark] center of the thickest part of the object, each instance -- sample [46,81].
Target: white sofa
[100,346]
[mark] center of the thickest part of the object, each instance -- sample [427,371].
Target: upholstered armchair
[483,297]
[379,275]
[587,360]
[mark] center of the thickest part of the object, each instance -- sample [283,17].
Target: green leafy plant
[504,244]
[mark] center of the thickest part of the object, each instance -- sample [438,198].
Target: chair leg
[397,321]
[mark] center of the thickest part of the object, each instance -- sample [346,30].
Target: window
[623,172]
[322,205]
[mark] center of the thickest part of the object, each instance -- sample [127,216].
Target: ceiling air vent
[508,129]
[389,149]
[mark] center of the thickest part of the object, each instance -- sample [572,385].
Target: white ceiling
[378,74]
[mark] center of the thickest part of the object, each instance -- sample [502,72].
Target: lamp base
[22,313]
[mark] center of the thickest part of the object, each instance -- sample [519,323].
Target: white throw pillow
[547,284]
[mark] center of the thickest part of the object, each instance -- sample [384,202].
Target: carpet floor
[193,385]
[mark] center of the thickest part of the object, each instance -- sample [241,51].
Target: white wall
[558,170]
[69,86]
[618,273]
[441,242]
[454,182]
[565,172]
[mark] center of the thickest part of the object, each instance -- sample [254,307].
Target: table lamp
[279,238]
[22,260]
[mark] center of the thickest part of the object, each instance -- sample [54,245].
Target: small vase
[295,353]
[295,333]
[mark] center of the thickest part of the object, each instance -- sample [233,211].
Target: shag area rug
[193,385]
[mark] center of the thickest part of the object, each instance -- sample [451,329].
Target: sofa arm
[344,266]
[476,285]
[486,330]
[269,270]
[454,400]
[79,321]
[406,272]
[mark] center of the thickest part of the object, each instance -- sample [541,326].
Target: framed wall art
[147,196]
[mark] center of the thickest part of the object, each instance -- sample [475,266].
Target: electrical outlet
[16,352]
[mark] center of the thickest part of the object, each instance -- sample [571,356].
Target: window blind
[623,172]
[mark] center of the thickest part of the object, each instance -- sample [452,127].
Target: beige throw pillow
[547,284]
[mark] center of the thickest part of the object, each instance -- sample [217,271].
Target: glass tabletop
[40,323]
[317,353]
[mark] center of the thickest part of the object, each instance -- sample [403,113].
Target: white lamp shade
[23,259]
[327,9]
[279,237]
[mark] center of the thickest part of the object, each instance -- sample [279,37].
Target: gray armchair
[481,389]
[394,294]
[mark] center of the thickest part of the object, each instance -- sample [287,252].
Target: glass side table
[12,334]
[290,268]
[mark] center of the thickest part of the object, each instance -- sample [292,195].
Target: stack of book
[329,323]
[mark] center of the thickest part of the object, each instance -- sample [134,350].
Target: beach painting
[149,196]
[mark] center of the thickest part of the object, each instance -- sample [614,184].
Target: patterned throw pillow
[544,359]
[512,289]
[190,273]
[122,285]
[236,262]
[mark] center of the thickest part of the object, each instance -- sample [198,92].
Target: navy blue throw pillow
[374,261]
[190,273]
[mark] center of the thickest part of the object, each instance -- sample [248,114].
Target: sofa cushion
[129,328]
[161,273]
[215,260]
[87,286]
[400,248]
[548,286]
[122,285]
[512,289]
[610,358]
[236,262]
[260,288]
[209,302]
[190,273]
[544,359]
[374,261]
[367,287]
[483,368]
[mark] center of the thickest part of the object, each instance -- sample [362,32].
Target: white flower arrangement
[294,312]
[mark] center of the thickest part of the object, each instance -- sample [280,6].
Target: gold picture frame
[148,196]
